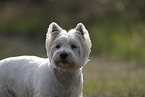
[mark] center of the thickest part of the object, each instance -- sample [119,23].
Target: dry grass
[105,78]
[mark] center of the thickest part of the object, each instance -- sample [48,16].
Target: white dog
[59,75]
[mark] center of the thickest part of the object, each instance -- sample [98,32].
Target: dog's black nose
[63,55]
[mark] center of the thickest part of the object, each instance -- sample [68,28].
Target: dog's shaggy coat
[59,75]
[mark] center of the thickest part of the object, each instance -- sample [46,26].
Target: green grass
[104,78]
[121,41]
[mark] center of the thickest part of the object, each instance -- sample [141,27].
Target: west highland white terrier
[59,75]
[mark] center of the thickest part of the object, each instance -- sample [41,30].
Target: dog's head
[68,50]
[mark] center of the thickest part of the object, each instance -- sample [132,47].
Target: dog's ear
[54,28]
[83,32]
[53,31]
[80,29]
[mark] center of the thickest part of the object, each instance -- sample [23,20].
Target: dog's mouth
[64,61]
[64,64]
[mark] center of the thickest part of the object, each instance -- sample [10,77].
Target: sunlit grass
[119,41]
[104,78]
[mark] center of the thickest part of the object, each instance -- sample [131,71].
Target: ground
[109,78]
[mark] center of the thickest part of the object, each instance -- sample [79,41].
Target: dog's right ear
[54,28]
[52,33]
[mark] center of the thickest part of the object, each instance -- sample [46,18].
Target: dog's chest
[67,93]
[67,85]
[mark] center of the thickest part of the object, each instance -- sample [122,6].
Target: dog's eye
[58,46]
[73,46]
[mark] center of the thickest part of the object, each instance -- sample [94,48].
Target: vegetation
[105,78]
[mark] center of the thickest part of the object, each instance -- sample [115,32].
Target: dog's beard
[64,64]
[68,63]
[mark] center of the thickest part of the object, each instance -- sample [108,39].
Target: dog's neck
[68,79]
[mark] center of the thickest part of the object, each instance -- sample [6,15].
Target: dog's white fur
[31,76]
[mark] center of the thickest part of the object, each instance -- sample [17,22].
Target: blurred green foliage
[116,27]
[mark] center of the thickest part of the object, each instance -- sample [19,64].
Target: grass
[104,78]
[119,41]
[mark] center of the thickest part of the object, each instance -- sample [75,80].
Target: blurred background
[117,31]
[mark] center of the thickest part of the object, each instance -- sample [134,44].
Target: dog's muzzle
[63,57]
[64,60]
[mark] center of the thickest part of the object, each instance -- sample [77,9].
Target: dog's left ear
[80,29]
